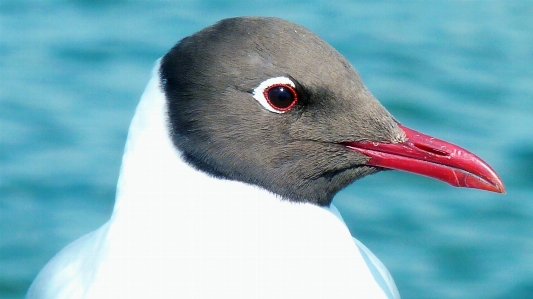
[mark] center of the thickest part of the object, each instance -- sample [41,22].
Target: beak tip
[500,187]
[485,181]
[494,180]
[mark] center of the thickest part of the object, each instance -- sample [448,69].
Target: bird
[244,134]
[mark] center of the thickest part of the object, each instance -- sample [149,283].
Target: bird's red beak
[429,156]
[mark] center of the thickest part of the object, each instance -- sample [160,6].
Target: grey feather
[208,79]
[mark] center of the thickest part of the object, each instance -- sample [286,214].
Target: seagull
[244,134]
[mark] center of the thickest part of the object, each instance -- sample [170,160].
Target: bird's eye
[277,94]
[281,97]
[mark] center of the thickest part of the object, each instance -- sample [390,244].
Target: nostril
[432,150]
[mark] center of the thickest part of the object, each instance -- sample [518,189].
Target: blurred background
[72,72]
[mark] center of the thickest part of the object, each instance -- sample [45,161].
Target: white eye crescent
[276,94]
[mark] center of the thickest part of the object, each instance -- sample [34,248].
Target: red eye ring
[281,97]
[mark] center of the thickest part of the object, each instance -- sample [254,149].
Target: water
[73,71]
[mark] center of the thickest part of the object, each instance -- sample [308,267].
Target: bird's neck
[150,161]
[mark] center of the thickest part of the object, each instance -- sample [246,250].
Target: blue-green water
[71,74]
